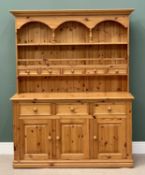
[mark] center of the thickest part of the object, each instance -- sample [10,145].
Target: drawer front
[35,109]
[117,71]
[72,109]
[50,72]
[96,71]
[22,72]
[34,72]
[91,71]
[28,72]
[109,109]
[101,71]
[73,71]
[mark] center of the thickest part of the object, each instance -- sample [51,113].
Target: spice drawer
[50,71]
[117,71]
[73,71]
[35,109]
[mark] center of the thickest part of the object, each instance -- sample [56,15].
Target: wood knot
[34,100]
[86,19]
[105,143]
[94,116]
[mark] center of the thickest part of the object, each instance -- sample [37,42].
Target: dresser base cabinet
[73,132]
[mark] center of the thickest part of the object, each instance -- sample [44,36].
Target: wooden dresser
[72,107]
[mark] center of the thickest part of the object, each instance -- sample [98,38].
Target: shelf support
[53,35]
[90,35]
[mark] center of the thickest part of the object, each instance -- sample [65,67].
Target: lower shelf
[74,164]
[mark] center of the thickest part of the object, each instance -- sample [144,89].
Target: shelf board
[73,96]
[114,66]
[70,59]
[71,44]
[71,75]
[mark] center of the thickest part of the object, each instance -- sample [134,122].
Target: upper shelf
[72,33]
[70,44]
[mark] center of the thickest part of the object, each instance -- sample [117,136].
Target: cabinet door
[108,138]
[36,139]
[72,138]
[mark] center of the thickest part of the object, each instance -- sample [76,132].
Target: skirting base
[74,164]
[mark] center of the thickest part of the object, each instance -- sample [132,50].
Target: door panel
[108,138]
[73,134]
[35,139]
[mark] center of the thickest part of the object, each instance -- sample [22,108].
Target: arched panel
[72,32]
[109,31]
[34,32]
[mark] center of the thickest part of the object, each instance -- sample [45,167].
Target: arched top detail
[72,21]
[111,20]
[34,21]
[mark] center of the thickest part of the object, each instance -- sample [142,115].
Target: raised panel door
[108,138]
[36,139]
[72,138]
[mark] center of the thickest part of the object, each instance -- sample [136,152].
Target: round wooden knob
[117,71]
[109,109]
[57,138]
[49,137]
[27,71]
[107,70]
[72,71]
[72,109]
[95,137]
[35,109]
[39,71]
[95,71]
[50,71]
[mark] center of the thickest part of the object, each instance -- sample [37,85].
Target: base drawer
[35,109]
[109,109]
[72,109]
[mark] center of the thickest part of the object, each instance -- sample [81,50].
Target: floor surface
[139,169]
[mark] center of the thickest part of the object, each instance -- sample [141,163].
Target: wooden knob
[50,71]
[27,71]
[117,71]
[72,71]
[35,109]
[95,137]
[57,138]
[109,109]
[95,71]
[107,70]
[72,109]
[39,71]
[49,137]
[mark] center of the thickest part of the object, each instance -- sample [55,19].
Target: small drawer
[34,72]
[101,71]
[117,71]
[22,72]
[109,109]
[50,72]
[35,109]
[73,71]
[91,71]
[72,109]
[27,72]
